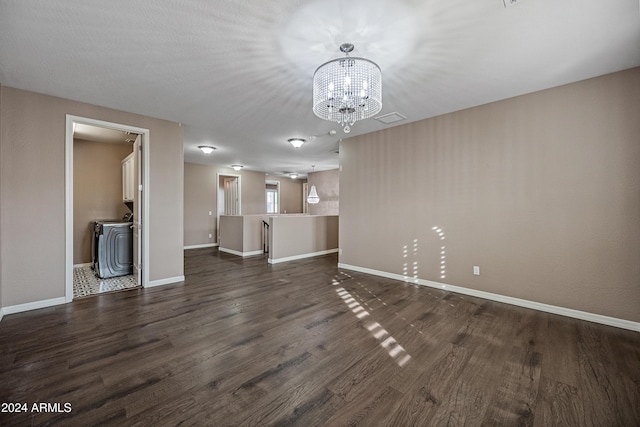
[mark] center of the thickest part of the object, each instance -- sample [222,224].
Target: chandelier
[347,89]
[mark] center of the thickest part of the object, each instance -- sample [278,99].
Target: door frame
[277,184]
[305,194]
[71,121]
[218,176]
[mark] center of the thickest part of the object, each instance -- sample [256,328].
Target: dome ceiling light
[206,149]
[297,142]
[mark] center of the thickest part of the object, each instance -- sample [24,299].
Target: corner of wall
[1,203]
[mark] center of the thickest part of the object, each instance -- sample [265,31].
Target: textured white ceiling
[238,74]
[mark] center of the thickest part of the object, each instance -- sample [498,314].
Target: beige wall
[254,198]
[298,235]
[290,195]
[32,208]
[200,197]
[97,190]
[231,232]
[242,233]
[328,187]
[1,197]
[541,191]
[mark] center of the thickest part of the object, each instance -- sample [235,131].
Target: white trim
[207,245]
[86,264]
[562,311]
[242,254]
[1,313]
[12,309]
[166,281]
[302,256]
[68,176]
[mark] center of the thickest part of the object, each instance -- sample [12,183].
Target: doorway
[137,171]
[273,196]
[229,197]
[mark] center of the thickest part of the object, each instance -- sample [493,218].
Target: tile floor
[86,283]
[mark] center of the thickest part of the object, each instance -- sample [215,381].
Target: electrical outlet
[210,213]
[476,270]
[209,235]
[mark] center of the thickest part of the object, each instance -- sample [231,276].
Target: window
[272,201]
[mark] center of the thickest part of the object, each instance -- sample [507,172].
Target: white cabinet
[128,181]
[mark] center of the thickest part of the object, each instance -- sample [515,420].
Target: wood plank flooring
[245,343]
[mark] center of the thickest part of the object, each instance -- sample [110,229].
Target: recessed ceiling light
[206,149]
[237,167]
[297,142]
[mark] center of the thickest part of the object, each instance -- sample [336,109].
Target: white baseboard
[12,309]
[206,245]
[302,256]
[238,253]
[166,281]
[568,312]
[86,264]
[1,313]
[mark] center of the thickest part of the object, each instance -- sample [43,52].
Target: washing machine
[112,248]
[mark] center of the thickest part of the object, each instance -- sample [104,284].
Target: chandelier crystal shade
[313,196]
[347,89]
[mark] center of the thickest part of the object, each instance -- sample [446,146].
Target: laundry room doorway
[106,205]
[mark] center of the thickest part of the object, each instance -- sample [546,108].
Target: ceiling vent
[390,118]
[508,3]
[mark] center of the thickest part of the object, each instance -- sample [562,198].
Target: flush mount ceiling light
[313,197]
[206,149]
[293,175]
[347,89]
[237,167]
[297,142]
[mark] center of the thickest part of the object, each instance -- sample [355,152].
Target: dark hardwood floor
[303,343]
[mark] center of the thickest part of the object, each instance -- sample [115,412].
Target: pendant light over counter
[313,197]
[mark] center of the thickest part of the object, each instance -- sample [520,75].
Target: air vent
[508,3]
[390,118]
